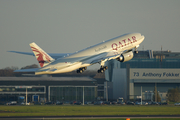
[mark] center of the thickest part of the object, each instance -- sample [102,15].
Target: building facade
[42,89]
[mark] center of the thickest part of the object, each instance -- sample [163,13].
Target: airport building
[43,89]
[146,70]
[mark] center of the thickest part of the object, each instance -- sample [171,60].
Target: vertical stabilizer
[42,57]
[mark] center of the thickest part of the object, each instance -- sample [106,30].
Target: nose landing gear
[136,52]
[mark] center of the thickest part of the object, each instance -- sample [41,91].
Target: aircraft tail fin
[42,57]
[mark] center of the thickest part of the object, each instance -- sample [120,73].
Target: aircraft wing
[53,55]
[103,57]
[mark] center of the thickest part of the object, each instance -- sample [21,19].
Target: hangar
[147,69]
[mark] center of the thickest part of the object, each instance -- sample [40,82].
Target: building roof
[46,79]
[153,54]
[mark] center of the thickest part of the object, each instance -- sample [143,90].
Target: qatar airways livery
[119,48]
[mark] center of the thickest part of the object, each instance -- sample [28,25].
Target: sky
[66,26]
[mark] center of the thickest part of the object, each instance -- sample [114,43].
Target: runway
[86,117]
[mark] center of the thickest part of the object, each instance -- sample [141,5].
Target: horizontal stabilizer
[25,53]
[45,71]
[53,55]
[27,70]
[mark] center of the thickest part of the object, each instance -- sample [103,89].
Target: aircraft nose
[143,37]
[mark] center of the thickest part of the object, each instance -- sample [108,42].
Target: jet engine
[125,56]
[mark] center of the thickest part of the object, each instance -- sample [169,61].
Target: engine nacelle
[125,57]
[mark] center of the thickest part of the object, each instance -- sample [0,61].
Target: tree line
[173,95]
[9,71]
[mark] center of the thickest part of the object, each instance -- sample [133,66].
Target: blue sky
[62,26]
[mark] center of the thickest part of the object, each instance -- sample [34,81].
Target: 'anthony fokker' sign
[154,73]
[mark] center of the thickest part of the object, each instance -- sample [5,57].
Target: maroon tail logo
[40,56]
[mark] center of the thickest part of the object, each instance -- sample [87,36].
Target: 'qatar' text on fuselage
[124,43]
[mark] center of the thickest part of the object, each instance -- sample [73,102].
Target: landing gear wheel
[80,71]
[102,69]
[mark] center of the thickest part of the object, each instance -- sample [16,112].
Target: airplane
[119,48]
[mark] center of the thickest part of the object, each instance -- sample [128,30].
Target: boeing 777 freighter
[119,48]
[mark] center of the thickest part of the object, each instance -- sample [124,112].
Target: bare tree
[156,96]
[11,68]
[173,95]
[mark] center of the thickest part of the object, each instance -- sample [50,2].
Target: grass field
[132,119]
[66,110]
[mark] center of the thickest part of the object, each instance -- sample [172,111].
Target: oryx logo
[40,56]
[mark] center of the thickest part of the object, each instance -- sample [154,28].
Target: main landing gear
[102,69]
[81,70]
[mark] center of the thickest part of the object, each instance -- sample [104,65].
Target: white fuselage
[86,56]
